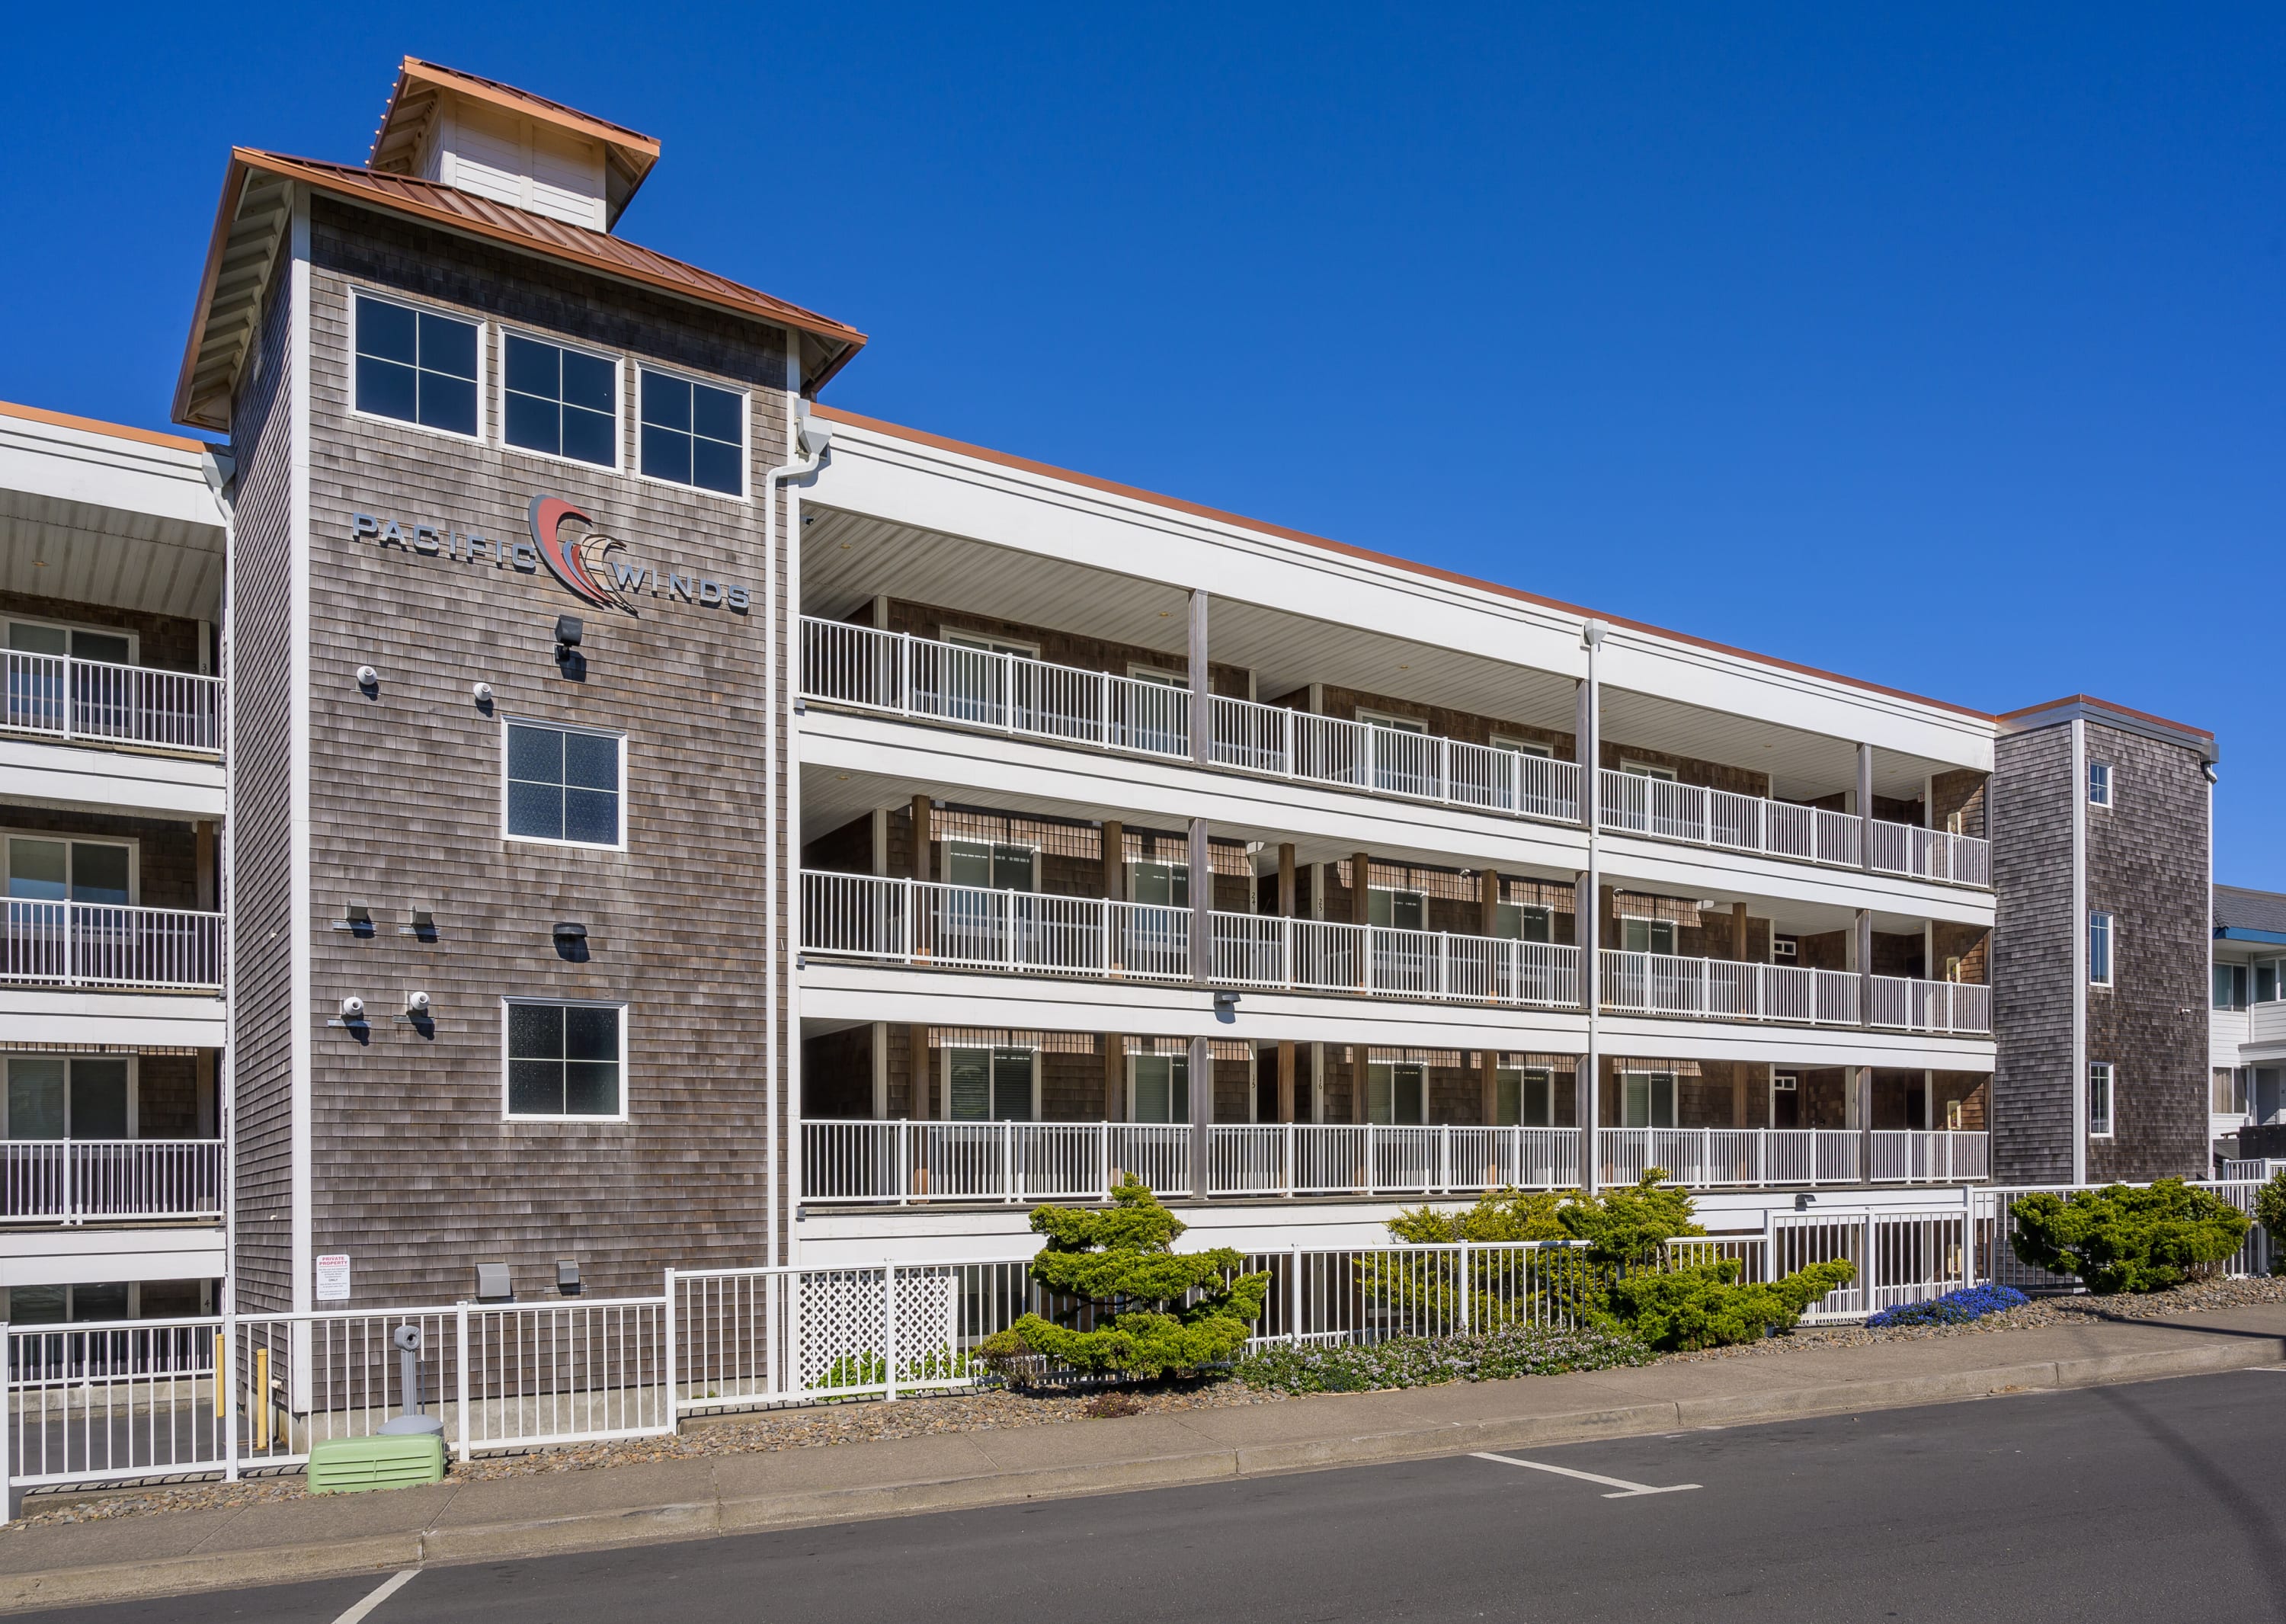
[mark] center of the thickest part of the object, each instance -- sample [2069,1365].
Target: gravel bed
[820,1426]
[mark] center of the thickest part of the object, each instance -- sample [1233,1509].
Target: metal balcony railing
[1931,1007]
[967,927]
[1665,810]
[97,945]
[91,701]
[69,1181]
[1727,990]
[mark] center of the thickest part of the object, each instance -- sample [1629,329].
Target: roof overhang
[2240,933]
[250,226]
[2086,707]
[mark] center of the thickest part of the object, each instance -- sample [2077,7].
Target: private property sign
[583,562]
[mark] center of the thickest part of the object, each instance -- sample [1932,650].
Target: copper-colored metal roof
[2092,703]
[206,368]
[629,155]
[65,420]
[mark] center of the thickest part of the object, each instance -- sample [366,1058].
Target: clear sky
[1942,347]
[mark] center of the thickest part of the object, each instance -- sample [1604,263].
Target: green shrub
[2118,1239]
[1148,1310]
[2270,1212]
[1503,1215]
[1417,1361]
[1704,1305]
[1628,1226]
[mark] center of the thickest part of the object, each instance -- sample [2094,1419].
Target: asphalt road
[2165,1499]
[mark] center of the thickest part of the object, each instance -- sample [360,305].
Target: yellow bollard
[221,1378]
[262,1397]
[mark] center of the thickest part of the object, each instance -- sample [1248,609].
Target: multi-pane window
[1647,935]
[2098,784]
[416,367]
[1524,1098]
[1520,922]
[563,402]
[989,1085]
[51,1097]
[1396,1094]
[990,865]
[2099,1099]
[2098,950]
[1395,910]
[2229,1096]
[694,434]
[1162,1087]
[1647,1100]
[41,869]
[564,1059]
[2230,986]
[563,784]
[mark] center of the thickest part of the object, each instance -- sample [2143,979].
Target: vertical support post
[1861,939]
[1286,1060]
[1201,686]
[1871,1272]
[1460,1287]
[464,1425]
[9,1435]
[1866,806]
[1587,749]
[1199,876]
[889,1330]
[1288,894]
[671,1333]
[1201,1072]
[1294,1294]
[1114,1078]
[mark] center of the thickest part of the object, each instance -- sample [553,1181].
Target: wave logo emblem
[580,565]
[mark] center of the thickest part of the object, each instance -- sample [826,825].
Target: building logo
[574,563]
[586,564]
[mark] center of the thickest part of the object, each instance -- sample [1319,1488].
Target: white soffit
[95,518]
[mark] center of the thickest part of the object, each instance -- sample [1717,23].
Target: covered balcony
[111,948]
[109,1136]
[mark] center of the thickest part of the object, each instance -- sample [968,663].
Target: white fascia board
[128,782]
[83,1255]
[1237,805]
[840,991]
[125,476]
[156,1020]
[1791,1046]
[924,486]
[1632,863]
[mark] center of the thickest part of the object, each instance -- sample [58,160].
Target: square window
[693,434]
[563,1059]
[416,367]
[558,401]
[563,783]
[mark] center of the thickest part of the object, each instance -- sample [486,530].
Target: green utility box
[349,1465]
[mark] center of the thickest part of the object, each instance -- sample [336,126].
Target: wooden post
[1738,932]
[1289,894]
[1360,868]
[1488,1061]
[1488,887]
[1286,1062]
[1114,1076]
[921,837]
[919,1075]
[1115,861]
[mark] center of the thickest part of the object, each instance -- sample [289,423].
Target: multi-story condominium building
[673,822]
[2247,1029]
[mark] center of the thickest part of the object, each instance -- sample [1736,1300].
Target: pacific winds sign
[585,561]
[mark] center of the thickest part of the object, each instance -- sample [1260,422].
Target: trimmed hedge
[1705,1306]
[2122,1239]
[1954,1308]
[1420,1361]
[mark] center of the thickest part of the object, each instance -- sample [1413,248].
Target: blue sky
[1941,348]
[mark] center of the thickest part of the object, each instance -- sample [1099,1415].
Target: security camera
[408,1339]
[416,1004]
[352,1008]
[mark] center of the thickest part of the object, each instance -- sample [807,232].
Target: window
[51,1097]
[1647,935]
[984,642]
[1159,885]
[2230,986]
[1394,909]
[43,870]
[1647,1100]
[416,367]
[1159,1087]
[565,1059]
[2099,1099]
[1403,763]
[2098,950]
[1163,679]
[1518,923]
[79,642]
[1521,746]
[563,402]
[2227,1096]
[1524,1097]
[2098,784]
[989,866]
[1396,1094]
[989,1085]
[564,784]
[70,1305]
[1644,769]
[1788,948]
[2265,980]
[694,434]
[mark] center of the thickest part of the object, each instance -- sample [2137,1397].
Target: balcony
[70,1181]
[940,927]
[79,701]
[939,682]
[901,1164]
[1665,810]
[95,945]
[1729,989]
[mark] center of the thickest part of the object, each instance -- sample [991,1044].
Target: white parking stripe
[1629,1490]
[389,1587]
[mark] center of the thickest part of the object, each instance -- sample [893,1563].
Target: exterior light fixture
[353,1010]
[367,679]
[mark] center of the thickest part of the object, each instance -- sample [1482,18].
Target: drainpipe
[814,438]
[1587,736]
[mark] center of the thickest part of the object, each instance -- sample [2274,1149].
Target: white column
[1201,708]
[1587,734]
[2077,1093]
[1866,806]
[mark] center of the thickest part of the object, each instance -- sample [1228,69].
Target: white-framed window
[563,786]
[1159,885]
[1787,948]
[2098,784]
[1139,672]
[2230,986]
[76,1304]
[564,1060]
[102,645]
[1395,910]
[559,400]
[1517,922]
[1391,724]
[54,868]
[2098,950]
[1524,1097]
[1159,1088]
[1644,769]
[1647,1100]
[996,1084]
[1646,936]
[416,366]
[71,1097]
[992,865]
[2228,1095]
[1785,1082]
[693,434]
[2099,1099]
[989,642]
[1396,1091]
[2268,983]
[1523,746]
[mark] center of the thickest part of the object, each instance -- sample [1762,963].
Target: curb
[710,1518]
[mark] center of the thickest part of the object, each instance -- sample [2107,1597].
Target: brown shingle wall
[1961,791]
[2032,988]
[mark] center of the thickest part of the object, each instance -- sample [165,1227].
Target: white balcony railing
[83,699]
[1931,1007]
[903,1162]
[69,1181]
[1727,990]
[1663,810]
[96,945]
[906,921]
[914,677]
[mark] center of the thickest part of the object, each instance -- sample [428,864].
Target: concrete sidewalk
[502,1518]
